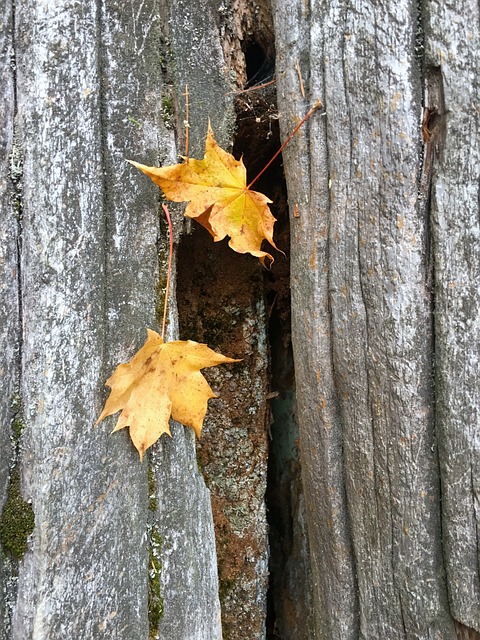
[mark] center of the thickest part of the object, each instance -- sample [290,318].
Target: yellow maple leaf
[219,199]
[163,379]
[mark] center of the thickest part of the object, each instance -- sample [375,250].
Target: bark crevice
[16,514]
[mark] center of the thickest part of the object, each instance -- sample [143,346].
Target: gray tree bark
[86,86]
[388,405]
[385,265]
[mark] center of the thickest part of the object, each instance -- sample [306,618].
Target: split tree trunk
[385,264]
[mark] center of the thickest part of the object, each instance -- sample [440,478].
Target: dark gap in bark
[254,59]
[259,66]
[16,178]
[16,515]
[433,138]
[257,139]
[220,303]
[242,310]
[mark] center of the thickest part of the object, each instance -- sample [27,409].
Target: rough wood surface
[89,94]
[361,297]
[9,306]
[85,487]
[385,268]
[453,47]
[181,550]
[318,411]
[191,607]
[382,327]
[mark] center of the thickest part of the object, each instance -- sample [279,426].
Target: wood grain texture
[182,520]
[89,88]
[453,46]
[361,298]
[382,325]
[196,59]
[386,345]
[305,162]
[86,571]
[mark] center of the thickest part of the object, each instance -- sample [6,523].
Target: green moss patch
[17,520]
[168,111]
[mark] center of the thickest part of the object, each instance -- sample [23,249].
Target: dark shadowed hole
[254,60]
[260,67]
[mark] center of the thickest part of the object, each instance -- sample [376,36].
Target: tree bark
[9,309]
[379,415]
[394,549]
[455,237]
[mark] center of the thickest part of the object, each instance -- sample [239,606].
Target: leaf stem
[169,271]
[317,105]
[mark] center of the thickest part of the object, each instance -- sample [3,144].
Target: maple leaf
[163,379]
[219,198]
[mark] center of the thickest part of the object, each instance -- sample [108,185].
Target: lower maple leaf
[162,380]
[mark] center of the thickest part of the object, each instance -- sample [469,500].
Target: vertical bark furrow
[10,333]
[453,45]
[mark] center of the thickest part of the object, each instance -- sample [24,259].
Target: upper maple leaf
[163,379]
[219,199]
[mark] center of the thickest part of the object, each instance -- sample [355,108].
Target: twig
[255,88]
[300,79]
[317,105]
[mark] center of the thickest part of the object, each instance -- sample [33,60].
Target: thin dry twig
[300,79]
[317,105]
[250,89]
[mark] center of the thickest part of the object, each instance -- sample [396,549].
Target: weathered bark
[9,307]
[179,523]
[318,413]
[97,83]
[362,297]
[89,93]
[85,488]
[453,46]
[385,266]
